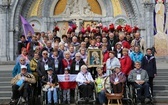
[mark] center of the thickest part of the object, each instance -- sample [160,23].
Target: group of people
[45,55]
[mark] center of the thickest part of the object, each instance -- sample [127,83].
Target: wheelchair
[79,100]
[123,97]
[27,100]
[44,97]
[133,95]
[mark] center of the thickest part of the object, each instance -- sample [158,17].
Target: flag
[67,84]
[26,26]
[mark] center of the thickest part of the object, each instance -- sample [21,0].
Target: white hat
[23,67]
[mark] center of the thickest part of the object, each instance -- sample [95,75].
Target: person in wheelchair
[139,79]
[117,80]
[50,81]
[85,83]
[21,85]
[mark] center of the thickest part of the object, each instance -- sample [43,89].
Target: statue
[161,39]
[78,8]
[160,10]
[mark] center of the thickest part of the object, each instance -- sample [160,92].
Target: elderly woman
[66,62]
[117,79]
[76,64]
[126,63]
[85,82]
[112,62]
[137,55]
[24,55]
[100,86]
[17,69]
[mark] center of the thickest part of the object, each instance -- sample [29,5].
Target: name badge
[118,55]
[112,48]
[116,80]
[46,67]
[138,77]
[34,47]
[56,65]
[77,68]
[99,86]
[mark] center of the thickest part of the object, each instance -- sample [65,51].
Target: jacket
[136,56]
[112,63]
[105,57]
[33,67]
[132,77]
[65,65]
[41,66]
[81,78]
[46,79]
[142,44]
[29,78]
[17,69]
[126,64]
[72,70]
[121,77]
[149,64]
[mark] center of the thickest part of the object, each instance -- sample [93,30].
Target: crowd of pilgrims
[121,47]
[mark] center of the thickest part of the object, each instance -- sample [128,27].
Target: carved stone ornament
[78,8]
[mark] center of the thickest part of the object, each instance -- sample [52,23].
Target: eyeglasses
[22,60]
[45,54]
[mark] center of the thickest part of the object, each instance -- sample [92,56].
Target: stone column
[3,34]
[149,26]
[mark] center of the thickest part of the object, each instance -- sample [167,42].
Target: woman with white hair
[85,82]
[66,62]
[76,64]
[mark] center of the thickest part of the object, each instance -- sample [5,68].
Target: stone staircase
[160,85]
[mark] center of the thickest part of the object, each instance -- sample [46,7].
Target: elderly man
[76,64]
[138,41]
[85,82]
[139,78]
[21,84]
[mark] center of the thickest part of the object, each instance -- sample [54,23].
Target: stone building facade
[46,13]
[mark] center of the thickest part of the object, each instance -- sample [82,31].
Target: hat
[23,67]
[115,67]
[119,43]
[50,68]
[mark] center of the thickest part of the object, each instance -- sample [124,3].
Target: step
[160,92]
[5,83]
[5,93]
[5,88]
[5,79]
[162,70]
[160,99]
[160,87]
[160,82]
[5,74]
[161,77]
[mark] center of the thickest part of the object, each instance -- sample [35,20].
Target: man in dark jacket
[44,63]
[149,64]
[76,64]
[22,44]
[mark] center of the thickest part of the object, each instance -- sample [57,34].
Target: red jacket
[105,57]
[126,64]
[65,65]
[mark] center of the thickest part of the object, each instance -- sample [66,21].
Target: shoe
[82,98]
[55,103]
[23,100]
[147,100]
[68,102]
[138,103]
[12,102]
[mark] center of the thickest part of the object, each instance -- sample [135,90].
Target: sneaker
[23,100]
[12,102]
[147,100]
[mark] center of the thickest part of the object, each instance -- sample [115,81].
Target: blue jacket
[17,69]
[136,56]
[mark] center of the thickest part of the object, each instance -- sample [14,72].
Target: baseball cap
[23,67]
